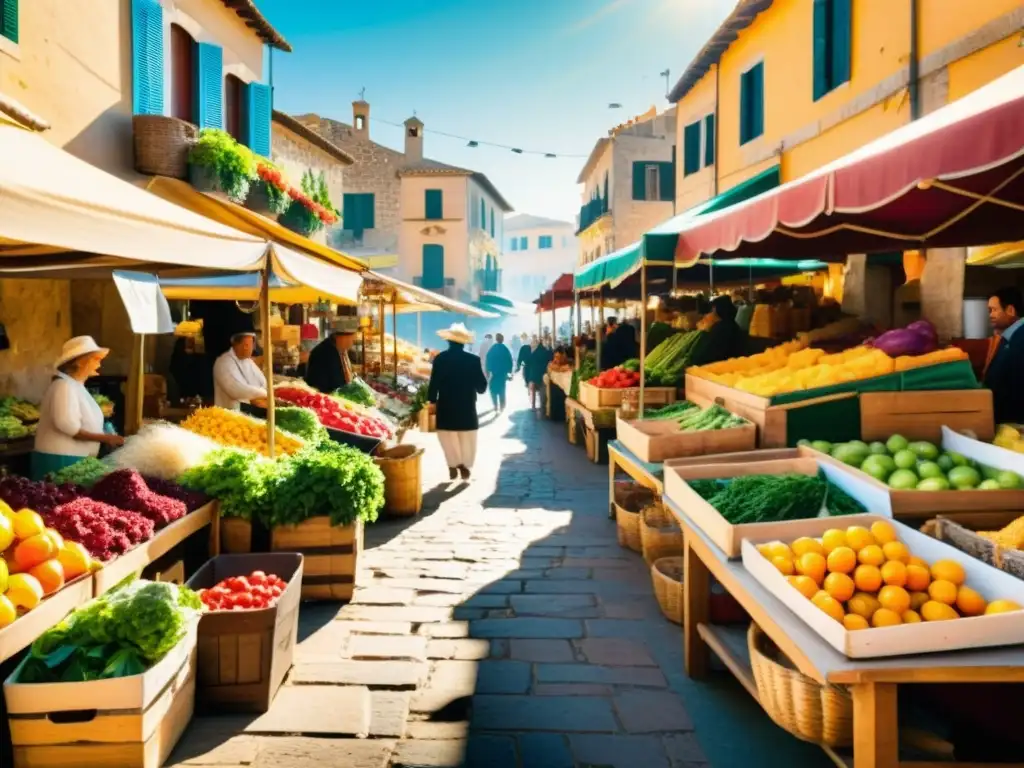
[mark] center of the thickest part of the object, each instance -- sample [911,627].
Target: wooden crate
[330,553]
[129,721]
[922,415]
[245,655]
[654,441]
[21,634]
[597,398]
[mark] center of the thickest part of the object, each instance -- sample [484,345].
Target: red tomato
[257,577]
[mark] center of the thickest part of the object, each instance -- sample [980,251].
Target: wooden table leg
[611,486]
[875,728]
[696,610]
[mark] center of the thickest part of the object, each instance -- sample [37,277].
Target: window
[483,213]
[653,181]
[607,200]
[514,244]
[524,243]
[544,242]
[832,25]
[433,204]
[492,222]
[357,213]
[709,140]
[752,103]
[9,20]
[147,54]
[651,177]
[433,267]
[234,93]
[691,148]
[256,128]
[360,122]
[473,213]
[183,75]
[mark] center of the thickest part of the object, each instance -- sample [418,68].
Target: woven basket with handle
[162,145]
[660,534]
[630,498]
[667,579]
[403,491]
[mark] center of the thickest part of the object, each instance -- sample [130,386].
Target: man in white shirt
[236,378]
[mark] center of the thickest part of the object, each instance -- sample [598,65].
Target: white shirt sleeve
[228,377]
[66,409]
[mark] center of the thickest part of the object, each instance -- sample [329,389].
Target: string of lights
[470,142]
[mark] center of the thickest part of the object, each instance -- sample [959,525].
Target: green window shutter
[350,212]
[9,20]
[366,211]
[434,204]
[691,148]
[639,183]
[492,222]
[822,63]
[757,101]
[709,140]
[744,108]
[483,213]
[842,33]
[147,54]
[256,120]
[209,109]
[666,181]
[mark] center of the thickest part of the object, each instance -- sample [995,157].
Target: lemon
[883,532]
[948,570]
[1001,606]
[858,537]
[806,544]
[936,611]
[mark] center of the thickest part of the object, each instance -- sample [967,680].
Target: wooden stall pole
[600,324]
[136,389]
[554,324]
[383,345]
[268,353]
[394,333]
[643,331]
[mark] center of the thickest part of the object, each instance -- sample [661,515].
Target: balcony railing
[591,212]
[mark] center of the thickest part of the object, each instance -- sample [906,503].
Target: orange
[936,611]
[55,537]
[896,550]
[775,549]
[969,602]
[832,539]
[804,584]
[883,532]
[8,613]
[917,599]
[784,564]
[949,570]
[75,560]
[840,586]
[911,617]
[806,544]
[825,602]
[27,523]
[942,591]
[918,578]
[896,599]
[918,561]
[852,622]
[863,604]
[1001,606]
[867,578]
[812,564]
[6,533]
[895,573]
[50,575]
[885,618]
[842,560]
[871,555]
[34,550]
[858,537]
[24,591]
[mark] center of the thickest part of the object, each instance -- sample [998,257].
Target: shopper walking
[536,367]
[524,357]
[485,347]
[499,370]
[456,379]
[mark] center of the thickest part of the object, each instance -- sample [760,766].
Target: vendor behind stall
[329,367]
[725,338]
[1004,373]
[236,377]
[70,421]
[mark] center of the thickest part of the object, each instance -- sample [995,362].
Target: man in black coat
[1005,374]
[329,367]
[456,379]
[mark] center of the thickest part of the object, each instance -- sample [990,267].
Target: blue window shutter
[757,122]
[709,140]
[147,55]
[822,64]
[515,244]
[433,204]
[639,181]
[691,148]
[666,181]
[9,20]
[257,118]
[524,243]
[209,85]
[842,31]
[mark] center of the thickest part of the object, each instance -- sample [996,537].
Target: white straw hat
[78,346]
[458,333]
[345,324]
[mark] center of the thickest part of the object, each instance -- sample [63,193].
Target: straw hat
[345,324]
[77,347]
[457,333]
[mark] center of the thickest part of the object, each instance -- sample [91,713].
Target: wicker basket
[403,491]
[660,534]
[822,714]
[667,578]
[978,547]
[630,498]
[162,145]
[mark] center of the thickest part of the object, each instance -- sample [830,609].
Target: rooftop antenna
[665,74]
[362,93]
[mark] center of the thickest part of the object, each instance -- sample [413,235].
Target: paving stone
[585,587]
[549,713]
[615,652]
[541,650]
[434,731]
[457,676]
[486,601]
[598,562]
[571,689]
[383,596]
[453,630]
[439,598]
[519,573]
[530,560]
[459,650]
[684,750]
[503,677]
[321,709]
[376,674]
[430,701]
[566,606]
[450,586]
[618,751]
[462,613]
[299,752]
[414,614]
[590,673]
[652,712]
[499,648]
[446,753]
[527,628]
[501,588]
[630,609]
[403,647]
[389,711]
[491,751]
[212,741]
[375,627]
[567,573]
[545,750]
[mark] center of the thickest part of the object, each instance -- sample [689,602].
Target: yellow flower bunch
[239,431]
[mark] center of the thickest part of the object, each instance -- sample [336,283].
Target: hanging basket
[630,498]
[660,534]
[162,145]
[403,490]
[667,579]
[821,714]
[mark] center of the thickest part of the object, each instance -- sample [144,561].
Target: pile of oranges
[36,561]
[867,578]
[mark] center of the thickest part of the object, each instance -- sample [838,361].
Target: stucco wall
[698,104]
[294,155]
[631,218]
[213,22]
[525,274]
[476,192]
[37,317]
[452,233]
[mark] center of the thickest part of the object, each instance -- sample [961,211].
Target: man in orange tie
[1004,373]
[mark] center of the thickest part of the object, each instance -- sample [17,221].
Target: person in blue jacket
[499,370]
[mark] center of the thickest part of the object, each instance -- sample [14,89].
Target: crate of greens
[768,499]
[685,429]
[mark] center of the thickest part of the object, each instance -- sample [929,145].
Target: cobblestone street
[504,627]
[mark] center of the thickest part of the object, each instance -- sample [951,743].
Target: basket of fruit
[660,534]
[667,579]
[1002,549]
[630,498]
[822,714]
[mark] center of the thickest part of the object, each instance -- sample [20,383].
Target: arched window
[234,90]
[182,74]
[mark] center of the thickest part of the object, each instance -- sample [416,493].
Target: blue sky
[534,74]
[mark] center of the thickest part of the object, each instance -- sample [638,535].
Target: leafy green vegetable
[357,391]
[240,479]
[771,498]
[300,421]
[333,480]
[85,472]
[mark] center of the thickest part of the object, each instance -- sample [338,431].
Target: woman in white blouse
[70,421]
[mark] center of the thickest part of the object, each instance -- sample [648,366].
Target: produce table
[561,379]
[598,426]
[621,458]
[873,683]
[554,397]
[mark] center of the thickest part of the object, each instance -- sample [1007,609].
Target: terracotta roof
[250,14]
[314,138]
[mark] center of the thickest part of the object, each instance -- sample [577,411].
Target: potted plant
[219,164]
[268,194]
[310,209]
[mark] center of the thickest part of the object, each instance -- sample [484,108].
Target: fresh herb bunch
[233,164]
[300,421]
[357,391]
[239,479]
[773,498]
[85,472]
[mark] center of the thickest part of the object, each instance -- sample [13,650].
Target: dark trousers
[497,390]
